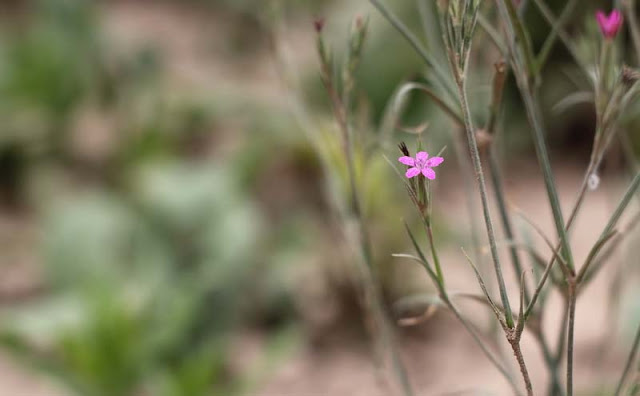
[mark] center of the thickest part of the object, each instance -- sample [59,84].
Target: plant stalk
[477,165]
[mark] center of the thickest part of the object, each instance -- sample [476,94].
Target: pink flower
[421,164]
[609,24]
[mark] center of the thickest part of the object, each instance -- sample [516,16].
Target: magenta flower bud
[609,24]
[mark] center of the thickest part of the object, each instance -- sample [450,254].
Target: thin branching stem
[434,252]
[551,19]
[515,345]
[444,296]
[554,381]
[629,7]
[566,13]
[474,334]
[475,156]
[477,165]
[341,113]
[427,57]
[570,335]
[608,229]
[532,108]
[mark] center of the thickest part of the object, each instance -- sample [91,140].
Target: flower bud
[609,24]
[318,24]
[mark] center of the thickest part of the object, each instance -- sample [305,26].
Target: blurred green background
[161,203]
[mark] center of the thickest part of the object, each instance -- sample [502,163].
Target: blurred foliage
[148,247]
[152,290]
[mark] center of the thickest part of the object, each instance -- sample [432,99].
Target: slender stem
[341,112]
[515,345]
[481,344]
[415,43]
[543,57]
[551,19]
[494,169]
[533,113]
[509,12]
[496,178]
[538,290]
[434,254]
[554,382]
[493,34]
[477,165]
[630,359]
[570,335]
[613,220]
[630,14]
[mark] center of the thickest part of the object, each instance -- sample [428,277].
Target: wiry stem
[555,30]
[480,343]
[434,253]
[515,345]
[514,339]
[630,14]
[494,168]
[630,359]
[341,112]
[477,165]
[570,335]
[554,382]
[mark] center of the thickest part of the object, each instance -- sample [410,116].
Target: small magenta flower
[421,164]
[609,24]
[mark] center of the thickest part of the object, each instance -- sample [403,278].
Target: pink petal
[601,18]
[434,161]
[429,173]
[615,17]
[407,161]
[422,156]
[411,172]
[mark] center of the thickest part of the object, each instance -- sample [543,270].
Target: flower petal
[601,18]
[411,172]
[422,156]
[615,16]
[407,161]
[434,161]
[429,173]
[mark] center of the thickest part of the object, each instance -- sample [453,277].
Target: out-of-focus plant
[146,289]
[339,80]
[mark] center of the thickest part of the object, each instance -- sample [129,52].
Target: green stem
[437,68]
[517,32]
[477,165]
[341,112]
[551,19]
[554,381]
[608,229]
[533,113]
[630,14]
[529,98]
[434,254]
[500,75]
[630,359]
[543,57]
[481,344]
[496,177]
